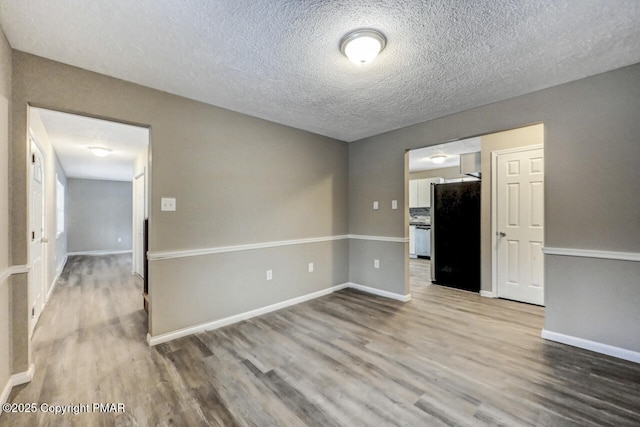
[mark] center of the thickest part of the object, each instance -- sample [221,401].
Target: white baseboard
[15,380]
[379,292]
[488,294]
[609,350]
[209,326]
[5,393]
[55,279]
[97,253]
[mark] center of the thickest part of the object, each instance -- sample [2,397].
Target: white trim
[158,339]
[379,238]
[609,350]
[154,256]
[162,255]
[380,292]
[55,279]
[23,377]
[96,253]
[209,326]
[4,396]
[15,269]
[16,380]
[591,253]
[494,208]
[488,294]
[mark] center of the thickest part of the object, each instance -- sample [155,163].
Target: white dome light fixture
[362,46]
[438,159]
[100,151]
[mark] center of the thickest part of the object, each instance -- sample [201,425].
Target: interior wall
[237,180]
[5,321]
[591,151]
[99,216]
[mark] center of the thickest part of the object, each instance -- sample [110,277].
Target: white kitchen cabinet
[413,193]
[412,242]
[420,192]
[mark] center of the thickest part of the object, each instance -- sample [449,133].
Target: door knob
[501,233]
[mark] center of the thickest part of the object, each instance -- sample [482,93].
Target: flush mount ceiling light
[438,159]
[362,46]
[100,151]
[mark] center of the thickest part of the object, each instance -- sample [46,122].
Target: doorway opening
[91,196]
[431,170]
[498,255]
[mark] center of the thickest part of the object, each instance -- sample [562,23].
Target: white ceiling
[72,135]
[280,59]
[420,159]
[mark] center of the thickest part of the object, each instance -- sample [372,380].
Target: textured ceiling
[71,137]
[280,59]
[420,159]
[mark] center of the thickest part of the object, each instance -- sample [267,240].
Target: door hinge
[33,312]
[33,235]
[33,159]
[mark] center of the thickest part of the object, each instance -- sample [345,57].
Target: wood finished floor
[447,357]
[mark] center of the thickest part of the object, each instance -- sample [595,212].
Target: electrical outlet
[375,205]
[269,274]
[394,204]
[119,239]
[376,263]
[310,267]
[168,204]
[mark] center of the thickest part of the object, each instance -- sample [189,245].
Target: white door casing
[518,211]
[37,236]
[138,221]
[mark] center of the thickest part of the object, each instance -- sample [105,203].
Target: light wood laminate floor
[447,357]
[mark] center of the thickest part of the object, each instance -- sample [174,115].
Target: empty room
[323,213]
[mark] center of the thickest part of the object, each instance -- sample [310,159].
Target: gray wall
[591,154]
[237,180]
[97,214]
[5,325]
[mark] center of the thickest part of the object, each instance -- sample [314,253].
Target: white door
[37,236]
[138,221]
[520,225]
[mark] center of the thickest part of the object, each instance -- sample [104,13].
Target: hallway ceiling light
[100,151]
[362,46]
[438,158]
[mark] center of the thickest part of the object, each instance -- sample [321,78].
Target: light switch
[375,205]
[168,204]
[394,204]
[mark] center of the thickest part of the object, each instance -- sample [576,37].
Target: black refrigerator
[455,239]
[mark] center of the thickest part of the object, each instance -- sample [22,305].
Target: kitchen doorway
[514,139]
[439,166]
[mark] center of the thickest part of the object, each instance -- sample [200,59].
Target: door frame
[137,209]
[494,209]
